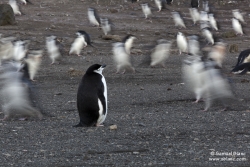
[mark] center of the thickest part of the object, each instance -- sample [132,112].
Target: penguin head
[96,68]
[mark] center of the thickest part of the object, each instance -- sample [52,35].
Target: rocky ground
[157,123]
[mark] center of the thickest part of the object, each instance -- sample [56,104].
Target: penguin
[195,15]
[204,16]
[20,50]
[146,10]
[93,17]
[205,6]
[86,37]
[218,53]
[244,57]
[25,2]
[193,75]
[15,7]
[178,20]
[54,48]
[194,3]
[92,102]
[33,62]
[181,43]
[237,26]
[6,48]
[106,26]
[128,42]
[216,87]
[78,45]
[193,45]
[16,101]
[160,53]
[121,57]
[169,2]
[160,4]
[208,36]
[238,15]
[134,1]
[242,68]
[212,21]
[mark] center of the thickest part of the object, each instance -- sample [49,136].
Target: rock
[113,10]
[233,48]
[229,34]
[157,33]
[7,16]
[113,127]
[74,72]
[116,38]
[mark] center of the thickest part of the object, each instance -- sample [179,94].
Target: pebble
[113,127]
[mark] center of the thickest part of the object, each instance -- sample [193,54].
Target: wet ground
[157,123]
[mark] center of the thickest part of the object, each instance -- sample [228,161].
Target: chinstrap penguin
[92,97]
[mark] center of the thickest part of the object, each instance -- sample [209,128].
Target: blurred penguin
[160,4]
[128,42]
[206,33]
[204,16]
[86,37]
[160,53]
[238,15]
[78,45]
[121,58]
[33,62]
[20,50]
[205,6]
[53,48]
[15,7]
[93,17]
[237,27]
[212,21]
[178,20]
[193,45]
[193,75]
[195,15]
[194,3]
[106,26]
[146,10]
[6,48]
[169,2]
[216,87]
[15,94]
[218,53]
[181,43]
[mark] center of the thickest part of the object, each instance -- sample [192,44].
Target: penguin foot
[97,125]
[78,55]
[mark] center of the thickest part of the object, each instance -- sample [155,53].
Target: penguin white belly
[102,115]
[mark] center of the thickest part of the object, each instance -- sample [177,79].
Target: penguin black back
[91,97]
[86,37]
[194,3]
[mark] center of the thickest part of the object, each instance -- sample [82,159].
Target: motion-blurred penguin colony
[201,68]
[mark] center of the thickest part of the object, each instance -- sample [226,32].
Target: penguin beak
[104,65]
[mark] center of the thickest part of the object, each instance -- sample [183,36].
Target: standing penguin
[106,26]
[178,20]
[92,97]
[182,43]
[53,48]
[237,26]
[78,44]
[93,17]
[146,10]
